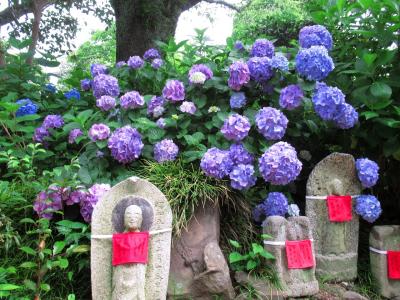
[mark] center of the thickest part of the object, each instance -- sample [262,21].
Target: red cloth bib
[299,254]
[393,262]
[130,247]
[339,208]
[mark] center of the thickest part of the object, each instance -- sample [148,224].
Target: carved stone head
[133,218]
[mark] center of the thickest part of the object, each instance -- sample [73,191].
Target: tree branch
[223,3]
[13,13]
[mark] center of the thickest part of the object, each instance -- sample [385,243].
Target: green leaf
[58,247]
[251,264]
[63,263]
[257,249]
[381,90]
[28,250]
[84,175]
[27,220]
[388,122]
[267,255]
[8,287]
[81,249]
[235,257]
[234,244]
[71,224]
[28,265]
[369,114]
[45,287]
[369,58]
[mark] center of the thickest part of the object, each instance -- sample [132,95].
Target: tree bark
[139,23]
[38,7]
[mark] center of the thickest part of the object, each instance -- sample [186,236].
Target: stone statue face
[133,218]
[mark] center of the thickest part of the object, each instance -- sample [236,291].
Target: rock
[384,238]
[349,295]
[295,282]
[336,243]
[108,218]
[263,289]
[198,267]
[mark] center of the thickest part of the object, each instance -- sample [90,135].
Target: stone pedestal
[384,238]
[295,282]
[198,267]
[336,243]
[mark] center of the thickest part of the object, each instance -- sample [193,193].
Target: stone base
[336,268]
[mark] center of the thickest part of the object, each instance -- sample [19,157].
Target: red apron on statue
[299,254]
[393,262]
[130,247]
[339,208]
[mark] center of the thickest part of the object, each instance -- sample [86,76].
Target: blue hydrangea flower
[291,97]
[72,94]
[261,48]
[327,101]
[280,62]
[157,63]
[271,123]
[105,85]
[367,171]
[125,144]
[165,150]
[239,154]
[151,54]
[216,163]
[258,213]
[239,75]
[239,46]
[316,35]
[368,207]
[260,68]
[97,69]
[26,107]
[131,100]
[346,116]
[236,127]
[279,165]
[135,62]
[50,88]
[242,177]
[314,63]
[86,84]
[237,100]
[276,204]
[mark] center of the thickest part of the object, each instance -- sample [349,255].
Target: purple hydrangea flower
[74,134]
[236,127]
[237,100]
[151,54]
[105,85]
[73,93]
[271,123]
[239,46]
[279,165]
[97,69]
[40,134]
[125,144]
[86,84]
[120,64]
[188,107]
[239,75]
[346,116]
[42,206]
[261,48]
[99,132]
[260,68]
[293,210]
[216,163]
[239,154]
[316,35]
[26,107]
[197,78]
[131,100]
[106,103]
[99,189]
[157,63]
[165,150]
[291,96]
[276,204]
[242,177]
[367,171]
[156,106]
[314,63]
[174,91]
[135,62]
[92,197]
[53,121]
[327,101]
[368,207]
[76,197]
[280,62]
[161,123]
[200,68]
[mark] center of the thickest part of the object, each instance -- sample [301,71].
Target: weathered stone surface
[106,220]
[198,267]
[336,244]
[295,282]
[264,289]
[384,238]
[349,295]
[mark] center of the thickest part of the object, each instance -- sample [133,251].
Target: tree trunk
[38,7]
[139,23]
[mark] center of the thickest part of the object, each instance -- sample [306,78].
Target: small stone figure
[336,243]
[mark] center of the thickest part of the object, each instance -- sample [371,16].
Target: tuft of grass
[185,187]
